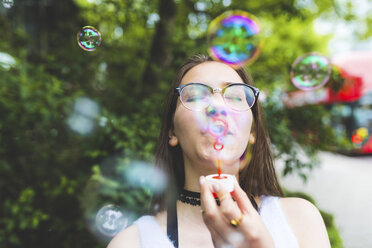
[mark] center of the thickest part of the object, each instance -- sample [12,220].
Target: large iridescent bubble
[89,38]
[235,38]
[110,220]
[311,71]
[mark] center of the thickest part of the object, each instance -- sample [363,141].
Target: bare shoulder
[306,222]
[128,237]
[296,206]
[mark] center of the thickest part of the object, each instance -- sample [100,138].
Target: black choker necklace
[193,198]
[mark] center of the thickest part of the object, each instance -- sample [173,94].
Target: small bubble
[218,146]
[110,220]
[80,124]
[89,38]
[226,3]
[156,207]
[310,71]
[103,121]
[118,33]
[218,127]
[84,116]
[6,61]
[152,19]
[86,107]
[8,3]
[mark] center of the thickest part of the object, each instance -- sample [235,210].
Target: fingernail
[216,187]
[202,180]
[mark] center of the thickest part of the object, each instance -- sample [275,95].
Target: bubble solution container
[225,180]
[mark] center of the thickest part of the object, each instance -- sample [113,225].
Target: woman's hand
[232,224]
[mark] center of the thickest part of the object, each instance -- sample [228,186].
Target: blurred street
[342,186]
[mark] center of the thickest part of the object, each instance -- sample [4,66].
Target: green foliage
[333,234]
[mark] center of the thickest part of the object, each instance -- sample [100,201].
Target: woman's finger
[228,207]
[211,212]
[242,199]
[207,200]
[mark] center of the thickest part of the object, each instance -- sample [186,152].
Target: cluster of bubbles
[311,71]
[8,3]
[89,38]
[234,38]
[360,136]
[110,220]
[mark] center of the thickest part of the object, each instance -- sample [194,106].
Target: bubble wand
[218,129]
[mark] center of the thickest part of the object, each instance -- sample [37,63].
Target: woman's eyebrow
[223,84]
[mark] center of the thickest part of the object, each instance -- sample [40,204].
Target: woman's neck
[190,213]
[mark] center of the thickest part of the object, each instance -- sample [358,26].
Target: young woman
[255,214]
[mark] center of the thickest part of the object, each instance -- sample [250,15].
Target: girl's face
[191,128]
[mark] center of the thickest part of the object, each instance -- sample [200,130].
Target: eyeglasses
[198,96]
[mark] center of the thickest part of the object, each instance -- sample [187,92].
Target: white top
[272,215]
[152,236]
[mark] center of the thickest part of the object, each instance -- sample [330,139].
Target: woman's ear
[173,141]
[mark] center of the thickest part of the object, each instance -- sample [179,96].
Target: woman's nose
[214,110]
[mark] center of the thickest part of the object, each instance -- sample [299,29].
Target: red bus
[351,106]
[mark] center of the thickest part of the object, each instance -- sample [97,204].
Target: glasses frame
[255,90]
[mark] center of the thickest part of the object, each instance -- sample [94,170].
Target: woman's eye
[234,98]
[195,98]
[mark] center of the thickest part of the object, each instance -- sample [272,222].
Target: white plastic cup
[225,180]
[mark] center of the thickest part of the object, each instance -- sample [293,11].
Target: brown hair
[258,178]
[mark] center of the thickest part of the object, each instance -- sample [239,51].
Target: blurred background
[80,118]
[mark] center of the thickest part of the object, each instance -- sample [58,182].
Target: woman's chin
[226,155]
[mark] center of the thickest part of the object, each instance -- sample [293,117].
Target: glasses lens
[239,97]
[195,96]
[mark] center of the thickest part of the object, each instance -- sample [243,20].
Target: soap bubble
[89,38]
[218,127]
[311,71]
[8,3]
[84,116]
[110,220]
[103,121]
[235,38]
[142,174]
[6,61]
